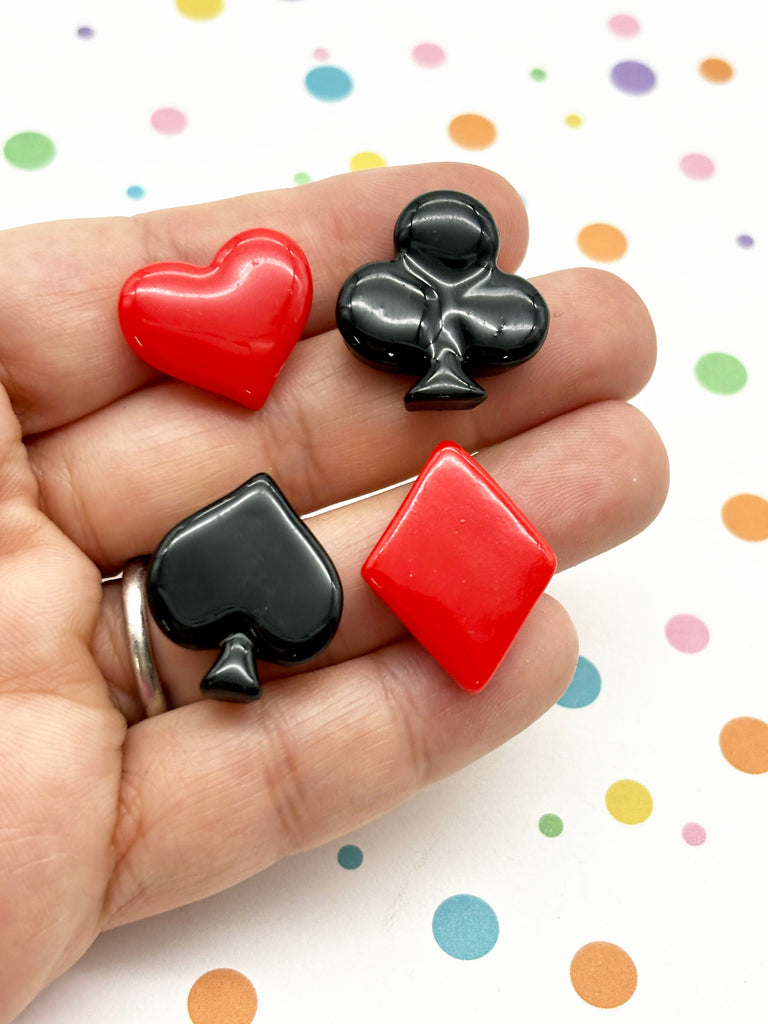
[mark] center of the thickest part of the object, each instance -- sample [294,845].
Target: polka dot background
[635,801]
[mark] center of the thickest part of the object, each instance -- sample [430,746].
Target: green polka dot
[301,178]
[29,150]
[350,857]
[538,75]
[550,825]
[721,373]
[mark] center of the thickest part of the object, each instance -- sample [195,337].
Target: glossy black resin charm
[442,309]
[245,574]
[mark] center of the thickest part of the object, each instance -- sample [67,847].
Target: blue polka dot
[465,927]
[584,688]
[328,83]
[350,857]
[135,192]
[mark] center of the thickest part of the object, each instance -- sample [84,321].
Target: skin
[106,816]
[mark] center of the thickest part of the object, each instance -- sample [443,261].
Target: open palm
[106,816]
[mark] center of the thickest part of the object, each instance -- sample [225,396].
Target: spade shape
[245,574]
[442,309]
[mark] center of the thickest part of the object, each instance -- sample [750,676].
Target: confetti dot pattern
[694,834]
[222,996]
[624,25]
[632,77]
[363,161]
[629,802]
[585,686]
[721,373]
[550,825]
[465,927]
[200,10]
[604,975]
[746,516]
[168,121]
[29,151]
[350,857]
[603,243]
[328,83]
[687,633]
[697,166]
[472,131]
[714,69]
[428,55]
[744,744]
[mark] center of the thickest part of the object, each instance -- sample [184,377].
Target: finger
[588,481]
[332,429]
[61,351]
[213,794]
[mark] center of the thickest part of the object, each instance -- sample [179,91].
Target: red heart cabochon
[227,327]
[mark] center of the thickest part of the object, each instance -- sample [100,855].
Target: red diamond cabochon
[461,566]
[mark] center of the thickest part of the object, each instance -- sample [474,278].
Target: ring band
[137,624]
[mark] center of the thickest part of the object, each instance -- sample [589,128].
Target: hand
[106,817]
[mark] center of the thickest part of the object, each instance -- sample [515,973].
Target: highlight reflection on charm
[442,309]
[246,575]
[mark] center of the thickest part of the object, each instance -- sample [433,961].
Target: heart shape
[227,327]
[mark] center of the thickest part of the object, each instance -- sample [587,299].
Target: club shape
[442,310]
[246,575]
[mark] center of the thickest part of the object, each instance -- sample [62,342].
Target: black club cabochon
[442,310]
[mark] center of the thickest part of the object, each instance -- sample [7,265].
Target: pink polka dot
[686,633]
[698,166]
[428,55]
[321,53]
[694,834]
[624,25]
[168,121]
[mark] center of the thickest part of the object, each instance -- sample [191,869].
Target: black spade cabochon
[245,574]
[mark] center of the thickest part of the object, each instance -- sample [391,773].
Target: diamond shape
[460,566]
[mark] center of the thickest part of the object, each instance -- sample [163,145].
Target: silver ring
[137,624]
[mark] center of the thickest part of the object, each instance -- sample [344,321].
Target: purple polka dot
[428,55]
[686,633]
[624,25]
[697,166]
[168,121]
[633,77]
[745,241]
[85,32]
[694,834]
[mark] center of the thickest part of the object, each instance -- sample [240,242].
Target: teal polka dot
[350,857]
[135,192]
[328,83]
[465,927]
[584,688]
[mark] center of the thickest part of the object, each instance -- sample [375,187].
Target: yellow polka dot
[361,161]
[602,242]
[222,996]
[200,10]
[744,743]
[574,121]
[472,131]
[603,974]
[714,69]
[746,516]
[629,801]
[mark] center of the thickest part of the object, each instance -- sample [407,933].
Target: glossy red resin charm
[460,566]
[227,327]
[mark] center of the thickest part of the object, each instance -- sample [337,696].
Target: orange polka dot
[222,996]
[716,70]
[746,516]
[603,974]
[602,242]
[744,743]
[472,131]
